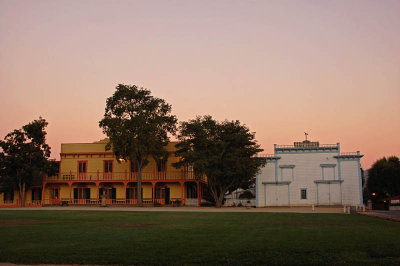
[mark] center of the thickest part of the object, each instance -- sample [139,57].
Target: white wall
[267,174]
[307,169]
[351,182]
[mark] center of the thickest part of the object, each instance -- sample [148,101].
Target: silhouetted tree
[24,157]
[384,178]
[137,125]
[223,151]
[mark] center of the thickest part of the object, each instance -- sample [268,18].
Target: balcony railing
[349,153]
[265,155]
[91,201]
[124,176]
[306,146]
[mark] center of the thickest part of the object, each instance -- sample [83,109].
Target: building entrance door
[54,196]
[108,195]
[276,195]
[329,194]
[167,199]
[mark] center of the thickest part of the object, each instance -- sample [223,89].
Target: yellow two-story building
[90,175]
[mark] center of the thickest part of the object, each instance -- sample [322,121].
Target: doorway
[167,199]
[55,196]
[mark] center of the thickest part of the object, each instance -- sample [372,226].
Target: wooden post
[125,185]
[154,191]
[98,196]
[70,193]
[198,194]
[201,190]
[182,199]
[43,191]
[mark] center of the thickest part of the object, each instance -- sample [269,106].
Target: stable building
[308,173]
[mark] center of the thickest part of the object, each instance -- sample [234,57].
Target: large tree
[138,126]
[384,178]
[223,151]
[24,157]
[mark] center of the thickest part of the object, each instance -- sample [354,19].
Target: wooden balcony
[124,176]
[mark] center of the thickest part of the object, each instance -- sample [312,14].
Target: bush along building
[90,175]
[308,173]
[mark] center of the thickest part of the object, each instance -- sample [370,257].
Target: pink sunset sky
[330,68]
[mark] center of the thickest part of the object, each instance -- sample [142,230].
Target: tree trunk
[219,195]
[139,188]
[22,193]
[218,202]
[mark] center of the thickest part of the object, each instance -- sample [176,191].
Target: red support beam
[125,185]
[182,192]
[98,196]
[154,190]
[43,191]
[70,192]
[198,194]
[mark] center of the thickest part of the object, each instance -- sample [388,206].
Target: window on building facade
[36,194]
[160,192]
[191,191]
[108,166]
[131,193]
[303,193]
[8,196]
[81,193]
[161,166]
[108,193]
[82,167]
[328,171]
[54,193]
[134,167]
[287,172]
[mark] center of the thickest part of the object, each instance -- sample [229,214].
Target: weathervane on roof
[305,133]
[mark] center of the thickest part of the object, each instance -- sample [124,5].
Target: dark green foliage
[24,157]
[223,151]
[246,195]
[196,238]
[384,178]
[137,125]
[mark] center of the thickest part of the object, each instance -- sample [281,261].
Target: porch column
[125,185]
[182,191]
[43,190]
[70,192]
[98,196]
[198,194]
[154,190]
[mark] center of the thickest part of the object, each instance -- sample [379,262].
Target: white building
[308,173]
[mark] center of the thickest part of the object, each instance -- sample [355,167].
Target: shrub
[247,195]
[207,204]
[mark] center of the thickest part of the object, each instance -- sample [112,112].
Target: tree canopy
[137,125]
[223,151]
[384,178]
[24,157]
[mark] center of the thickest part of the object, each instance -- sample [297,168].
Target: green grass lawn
[92,237]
